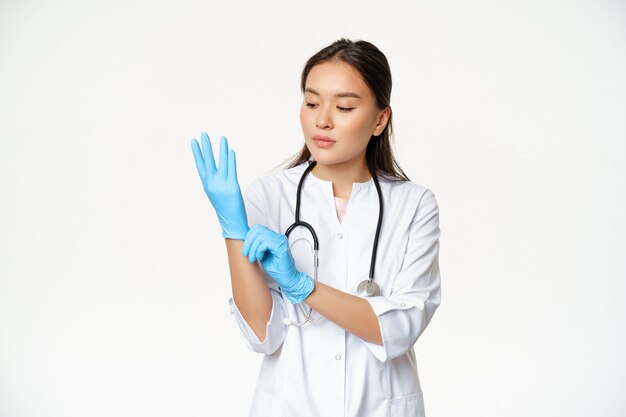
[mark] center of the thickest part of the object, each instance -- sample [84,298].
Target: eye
[311,105]
[345,109]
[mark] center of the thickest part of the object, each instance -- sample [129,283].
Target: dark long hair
[372,64]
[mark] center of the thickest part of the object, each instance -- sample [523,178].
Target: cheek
[360,125]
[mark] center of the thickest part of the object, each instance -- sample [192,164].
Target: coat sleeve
[416,291]
[275,330]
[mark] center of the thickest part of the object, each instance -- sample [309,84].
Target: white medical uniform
[320,369]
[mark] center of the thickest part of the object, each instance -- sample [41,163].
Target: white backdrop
[113,273]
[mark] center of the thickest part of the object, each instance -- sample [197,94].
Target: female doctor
[338,339]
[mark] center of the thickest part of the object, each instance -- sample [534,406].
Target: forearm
[250,291]
[346,310]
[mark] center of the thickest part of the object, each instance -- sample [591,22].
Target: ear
[383,119]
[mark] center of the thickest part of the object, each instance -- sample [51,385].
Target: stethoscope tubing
[298,222]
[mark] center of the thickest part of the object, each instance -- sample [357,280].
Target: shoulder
[406,192]
[411,205]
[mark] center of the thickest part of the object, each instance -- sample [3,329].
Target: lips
[325,140]
[322,142]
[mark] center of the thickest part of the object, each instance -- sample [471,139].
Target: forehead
[332,77]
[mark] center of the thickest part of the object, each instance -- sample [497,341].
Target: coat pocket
[411,406]
[264,404]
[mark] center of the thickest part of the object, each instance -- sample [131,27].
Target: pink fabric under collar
[341,204]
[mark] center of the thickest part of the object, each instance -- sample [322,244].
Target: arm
[416,291]
[352,313]
[258,308]
[250,291]
[257,304]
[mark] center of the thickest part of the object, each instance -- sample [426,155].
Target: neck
[343,175]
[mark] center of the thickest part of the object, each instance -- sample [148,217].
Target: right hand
[222,187]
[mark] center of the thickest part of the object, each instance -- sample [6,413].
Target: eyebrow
[346,94]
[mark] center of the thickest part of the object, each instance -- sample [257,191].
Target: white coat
[320,369]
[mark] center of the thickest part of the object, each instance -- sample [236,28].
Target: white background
[113,273]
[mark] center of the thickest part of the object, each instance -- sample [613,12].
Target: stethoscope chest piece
[368,288]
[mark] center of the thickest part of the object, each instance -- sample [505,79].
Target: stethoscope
[367,287]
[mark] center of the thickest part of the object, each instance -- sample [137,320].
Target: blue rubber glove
[272,250]
[221,187]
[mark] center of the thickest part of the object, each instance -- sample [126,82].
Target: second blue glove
[272,250]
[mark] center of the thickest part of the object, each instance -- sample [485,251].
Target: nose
[324,121]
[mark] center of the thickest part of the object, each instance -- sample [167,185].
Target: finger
[232,165]
[273,240]
[197,156]
[250,236]
[209,161]
[260,251]
[223,169]
[259,241]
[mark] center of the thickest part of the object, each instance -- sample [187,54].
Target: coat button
[339,235]
[402,305]
[338,356]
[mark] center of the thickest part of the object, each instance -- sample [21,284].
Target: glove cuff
[299,292]
[237,229]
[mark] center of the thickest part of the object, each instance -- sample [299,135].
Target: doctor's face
[339,114]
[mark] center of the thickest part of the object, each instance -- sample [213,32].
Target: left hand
[272,250]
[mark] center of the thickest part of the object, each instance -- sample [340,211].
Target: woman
[354,355]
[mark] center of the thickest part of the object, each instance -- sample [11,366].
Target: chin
[326,161]
[321,158]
